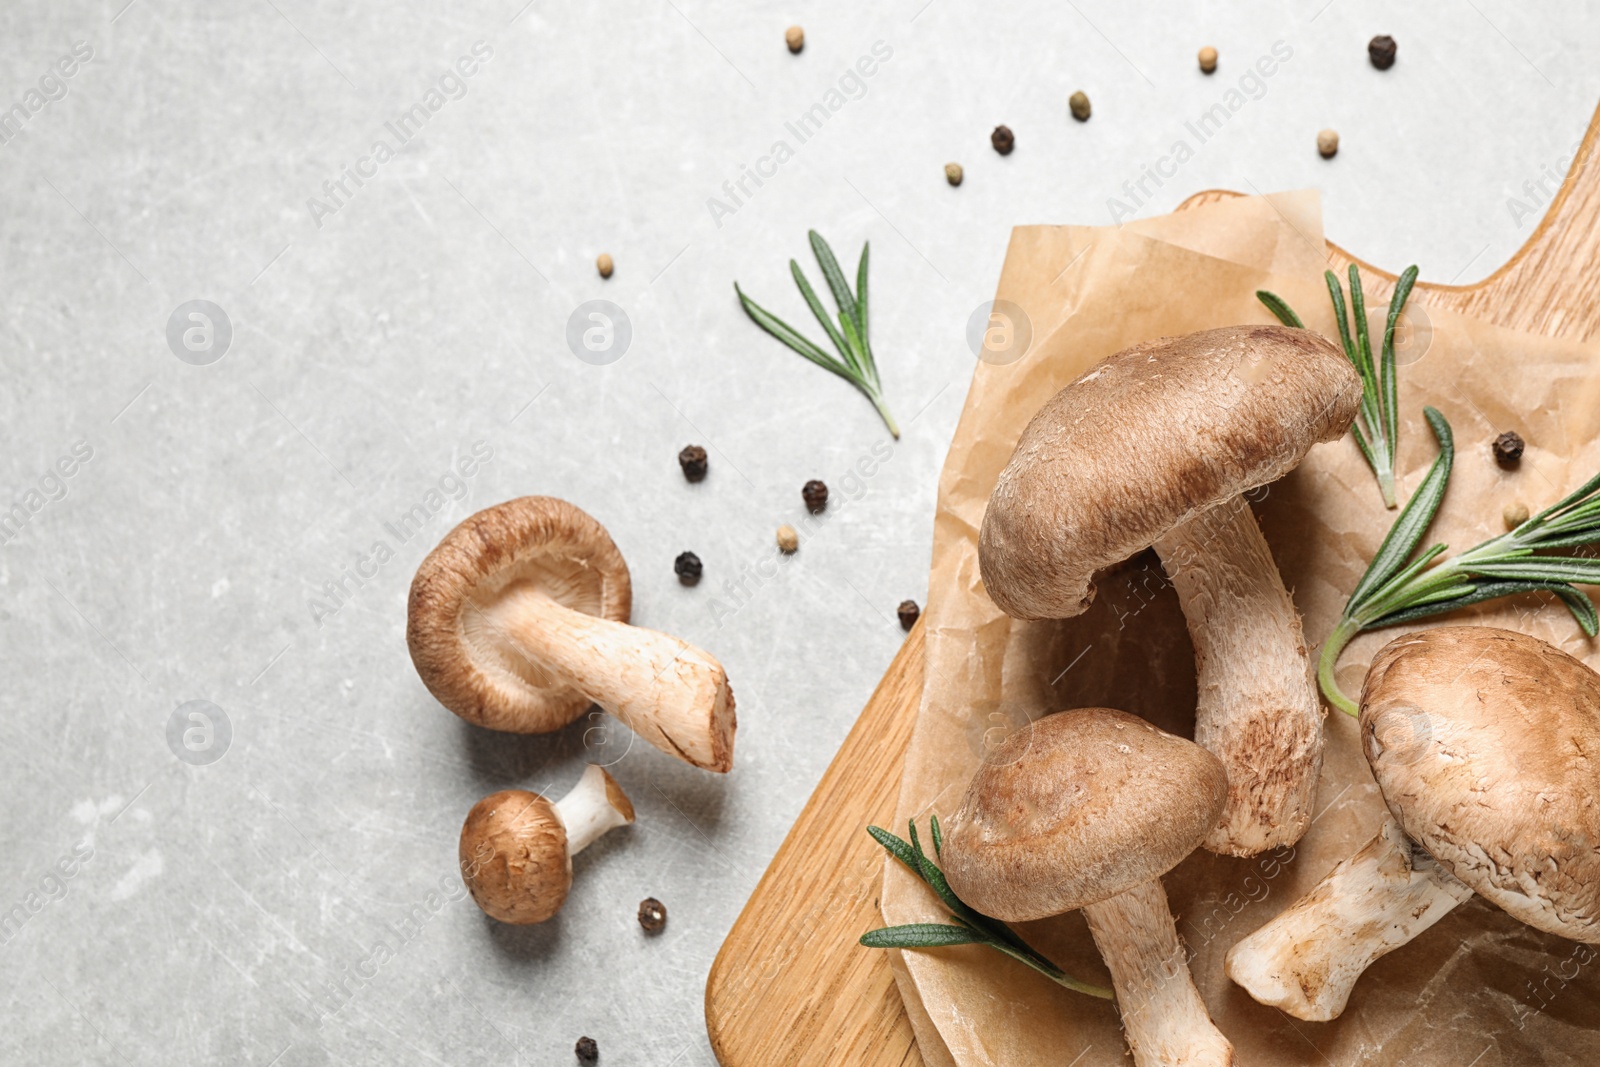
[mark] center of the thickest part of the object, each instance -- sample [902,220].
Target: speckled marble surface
[288,895]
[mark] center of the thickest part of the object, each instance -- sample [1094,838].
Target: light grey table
[170,912]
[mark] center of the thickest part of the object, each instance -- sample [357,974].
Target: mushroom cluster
[518,621]
[1484,743]
[1154,447]
[1087,809]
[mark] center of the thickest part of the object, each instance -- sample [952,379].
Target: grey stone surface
[214,905]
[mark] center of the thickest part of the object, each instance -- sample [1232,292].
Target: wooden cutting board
[790,985]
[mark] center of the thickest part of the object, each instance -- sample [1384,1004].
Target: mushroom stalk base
[1307,960]
[1257,709]
[665,690]
[1165,1020]
[595,805]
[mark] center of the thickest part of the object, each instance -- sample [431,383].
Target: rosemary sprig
[1393,591]
[967,927]
[849,336]
[1377,426]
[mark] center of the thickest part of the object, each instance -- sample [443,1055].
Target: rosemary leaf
[787,334]
[1276,304]
[850,335]
[971,928]
[921,935]
[1542,568]
[1394,592]
[1415,518]
[835,277]
[861,312]
[821,314]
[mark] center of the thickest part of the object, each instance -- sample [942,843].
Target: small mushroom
[1088,809]
[1482,741]
[518,621]
[517,847]
[1154,447]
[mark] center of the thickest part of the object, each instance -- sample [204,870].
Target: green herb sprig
[1394,591]
[967,927]
[849,336]
[1377,426]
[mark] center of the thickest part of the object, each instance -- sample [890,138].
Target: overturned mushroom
[1483,742]
[518,621]
[1155,447]
[1088,809]
[517,847]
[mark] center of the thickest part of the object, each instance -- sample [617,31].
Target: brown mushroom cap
[1485,744]
[466,664]
[1078,807]
[1149,438]
[514,857]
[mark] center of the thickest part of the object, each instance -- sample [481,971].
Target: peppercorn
[687,567]
[908,612]
[795,38]
[1381,51]
[1208,59]
[952,173]
[1515,515]
[788,539]
[587,1051]
[692,459]
[1079,103]
[604,265]
[1508,448]
[1003,140]
[652,915]
[815,494]
[1328,143]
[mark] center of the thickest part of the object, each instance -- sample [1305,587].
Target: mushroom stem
[1307,960]
[1163,1016]
[1258,710]
[595,805]
[664,689]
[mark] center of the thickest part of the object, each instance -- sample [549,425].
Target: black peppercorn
[586,1050]
[908,614]
[1508,448]
[652,915]
[687,567]
[693,461]
[1381,51]
[1003,140]
[815,494]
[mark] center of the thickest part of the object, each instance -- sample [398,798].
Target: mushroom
[1483,742]
[517,847]
[518,621]
[1154,447]
[1088,809]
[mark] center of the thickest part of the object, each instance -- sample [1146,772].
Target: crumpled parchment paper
[1477,990]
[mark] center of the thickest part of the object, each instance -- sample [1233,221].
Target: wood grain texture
[790,985]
